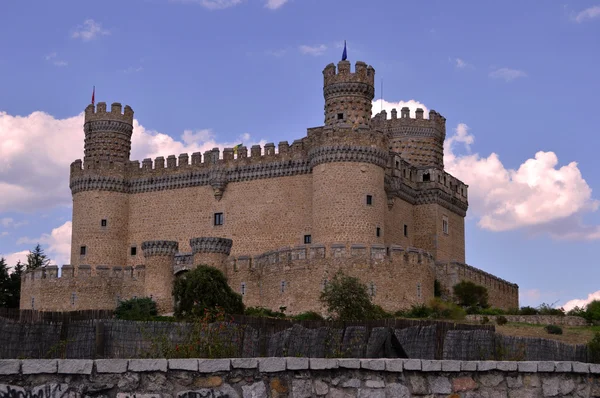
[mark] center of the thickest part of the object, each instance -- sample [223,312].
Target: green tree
[4,283]
[470,295]
[592,311]
[37,258]
[136,309]
[205,288]
[346,298]
[14,295]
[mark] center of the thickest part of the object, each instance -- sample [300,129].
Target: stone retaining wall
[566,320]
[295,378]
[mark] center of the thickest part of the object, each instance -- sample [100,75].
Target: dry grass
[571,334]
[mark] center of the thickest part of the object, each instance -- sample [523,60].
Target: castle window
[282,286]
[426,177]
[103,223]
[340,116]
[397,162]
[33,303]
[445,225]
[369,200]
[218,218]
[378,232]
[73,298]
[405,230]
[372,289]
[133,250]
[418,290]
[82,250]
[324,285]
[307,239]
[243,288]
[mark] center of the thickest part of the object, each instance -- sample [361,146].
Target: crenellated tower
[107,134]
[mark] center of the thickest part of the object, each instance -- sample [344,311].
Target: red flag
[93,95]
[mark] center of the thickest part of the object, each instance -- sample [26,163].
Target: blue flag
[344,55]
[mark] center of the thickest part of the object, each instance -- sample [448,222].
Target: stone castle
[368,195]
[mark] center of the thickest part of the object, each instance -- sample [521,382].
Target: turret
[348,95]
[158,283]
[107,133]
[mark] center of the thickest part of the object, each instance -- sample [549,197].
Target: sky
[517,81]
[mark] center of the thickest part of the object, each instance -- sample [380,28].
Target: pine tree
[4,283]
[37,258]
[14,296]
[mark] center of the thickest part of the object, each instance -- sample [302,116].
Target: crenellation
[228,154]
[116,113]
[171,162]
[183,160]
[196,158]
[159,163]
[84,271]
[419,113]
[255,151]
[283,147]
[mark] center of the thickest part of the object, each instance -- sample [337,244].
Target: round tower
[348,161]
[211,251]
[158,282]
[99,188]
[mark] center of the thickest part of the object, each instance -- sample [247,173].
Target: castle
[368,195]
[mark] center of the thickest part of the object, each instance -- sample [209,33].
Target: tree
[14,296]
[136,309]
[4,283]
[593,310]
[205,288]
[468,294]
[37,258]
[346,298]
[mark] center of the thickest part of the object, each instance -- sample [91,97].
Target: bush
[416,311]
[501,320]
[468,294]
[346,299]
[548,309]
[492,311]
[380,313]
[594,349]
[553,329]
[263,312]
[204,289]
[528,311]
[578,311]
[485,320]
[308,316]
[137,309]
[593,311]
[446,310]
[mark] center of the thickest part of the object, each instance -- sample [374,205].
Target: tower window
[73,298]
[378,232]
[307,239]
[82,250]
[243,288]
[405,230]
[282,286]
[369,200]
[103,223]
[133,251]
[33,303]
[373,289]
[426,177]
[445,225]
[418,290]
[340,116]
[218,218]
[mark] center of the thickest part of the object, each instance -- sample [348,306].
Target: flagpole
[382,95]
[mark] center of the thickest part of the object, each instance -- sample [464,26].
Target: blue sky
[517,81]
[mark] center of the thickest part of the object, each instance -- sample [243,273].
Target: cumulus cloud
[380,105]
[587,14]
[89,30]
[275,4]
[313,50]
[57,244]
[459,63]
[507,74]
[212,4]
[569,305]
[54,60]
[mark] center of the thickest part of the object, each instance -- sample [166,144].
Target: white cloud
[507,74]
[13,258]
[569,305]
[89,30]
[388,106]
[8,222]
[212,4]
[53,58]
[131,69]
[275,4]
[3,234]
[313,50]
[459,63]
[587,14]
[56,244]
[30,183]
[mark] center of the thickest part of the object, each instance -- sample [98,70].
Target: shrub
[263,312]
[485,320]
[501,320]
[446,310]
[468,294]
[553,329]
[548,309]
[346,298]
[380,313]
[204,289]
[578,311]
[308,316]
[416,311]
[593,311]
[492,311]
[137,309]
[528,311]
[594,349]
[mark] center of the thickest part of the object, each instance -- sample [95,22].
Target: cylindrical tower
[99,188]
[160,258]
[348,161]
[211,251]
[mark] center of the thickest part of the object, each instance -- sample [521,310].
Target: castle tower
[211,251]
[99,189]
[160,257]
[348,160]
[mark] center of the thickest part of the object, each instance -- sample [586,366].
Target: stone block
[484,366]
[214,365]
[440,385]
[351,383]
[463,384]
[394,365]
[147,365]
[270,365]
[10,366]
[372,364]
[257,389]
[450,366]
[580,367]
[527,366]
[35,366]
[594,368]
[374,383]
[184,364]
[412,364]
[323,363]
[349,363]
[75,366]
[430,365]
[111,365]
[321,388]
[297,363]
[301,388]
[244,363]
[507,366]
[371,393]
[468,366]
[546,366]
[563,366]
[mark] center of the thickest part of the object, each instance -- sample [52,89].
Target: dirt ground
[571,334]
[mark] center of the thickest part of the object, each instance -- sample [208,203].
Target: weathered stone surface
[563,367]
[550,386]
[33,366]
[214,365]
[339,393]
[301,388]
[10,366]
[418,384]
[269,365]
[491,379]
[527,366]
[297,363]
[450,366]
[244,363]
[184,394]
[352,383]
[439,385]
[148,365]
[595,368]
[546,366]
[255,390]
[129,381]
[183,364]
[396,390]
[483,366]
[208,382]
[374,383]
[394,365]
[372,364]
[323,363]
[468,366]
[412,364]
[321,388]
[507,366]
[349,363]
[430,365]
[579,367]
[111,365]
[460,384]
[75,366]
[371,393]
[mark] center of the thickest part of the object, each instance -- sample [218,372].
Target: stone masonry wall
[295,378]
[535,319]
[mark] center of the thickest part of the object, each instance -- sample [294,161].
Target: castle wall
[501,293]
[398,215]
[84,291]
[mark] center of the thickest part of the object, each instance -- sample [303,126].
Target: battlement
[92,275]
[116,113]
[434,125]
[473,273]
[362,73]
